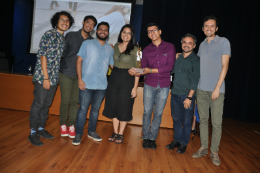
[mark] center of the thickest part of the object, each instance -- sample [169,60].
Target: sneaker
[72,132]
[153,144]
[201,152]
[77,139]
[215,158]
[45,134]
[94,136]
[35,140]
[173,144]
[146,143]
[63,130]
[182,149]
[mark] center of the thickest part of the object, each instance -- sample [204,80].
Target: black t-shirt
[72,46]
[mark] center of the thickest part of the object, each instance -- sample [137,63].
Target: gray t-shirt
[211,62]
[72,45]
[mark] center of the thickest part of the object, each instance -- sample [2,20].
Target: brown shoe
[201,152]
[215,158]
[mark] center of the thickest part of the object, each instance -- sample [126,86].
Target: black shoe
[182,149]
[146,143]
[35,140]
[45,134]
[153,144]
[173,144]
[77,139]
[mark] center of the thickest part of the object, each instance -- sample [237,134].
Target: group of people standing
[82,78]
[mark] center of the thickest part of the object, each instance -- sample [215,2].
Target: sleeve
[111,60]
[44,44]
[226,50]
[170,61]
[83,50]
[199,52]
[195,75]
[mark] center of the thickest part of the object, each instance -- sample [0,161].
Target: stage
[239,150]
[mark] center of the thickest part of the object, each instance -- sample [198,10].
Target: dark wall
[239,21]
[6,29]
[21,35]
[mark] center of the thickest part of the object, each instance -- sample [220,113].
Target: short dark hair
[131,44]
[153,24]
[92,18]
[55,18]
[103,23]
[190,35]
[211,17]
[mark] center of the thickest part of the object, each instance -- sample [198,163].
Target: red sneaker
[72,132]
[63,130]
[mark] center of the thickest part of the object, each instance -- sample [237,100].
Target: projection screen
[116,14]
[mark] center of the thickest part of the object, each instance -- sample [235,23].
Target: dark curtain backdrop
[239,21]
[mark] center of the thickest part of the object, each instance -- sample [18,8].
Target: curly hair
[131,44]
[55,18]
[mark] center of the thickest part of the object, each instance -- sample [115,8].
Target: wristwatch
[190,98]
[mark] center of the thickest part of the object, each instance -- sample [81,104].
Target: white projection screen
[107,11]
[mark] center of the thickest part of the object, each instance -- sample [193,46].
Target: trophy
[138,60]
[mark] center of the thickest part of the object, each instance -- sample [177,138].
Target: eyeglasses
[153,30]
[64,20]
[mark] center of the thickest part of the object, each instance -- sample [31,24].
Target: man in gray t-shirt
[214,53]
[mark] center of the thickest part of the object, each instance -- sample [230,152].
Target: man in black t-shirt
[68,76]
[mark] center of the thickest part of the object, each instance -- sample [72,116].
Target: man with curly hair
[46,75]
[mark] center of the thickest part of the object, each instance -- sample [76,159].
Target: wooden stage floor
[239,150]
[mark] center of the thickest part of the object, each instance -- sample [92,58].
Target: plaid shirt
[51,46]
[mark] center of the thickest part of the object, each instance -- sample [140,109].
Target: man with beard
[186,77]
[94,57]
[214,53]
[68,76]
[46,75]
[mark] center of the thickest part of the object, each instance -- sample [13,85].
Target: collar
[54,30]
[189,56]
[89,37]
[215,39]
[160,45]
[96,41]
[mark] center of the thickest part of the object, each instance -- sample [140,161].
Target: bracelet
[151,71]
[46,79]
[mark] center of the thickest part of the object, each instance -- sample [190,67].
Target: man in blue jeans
[186,77]
[157,62]
[94,57]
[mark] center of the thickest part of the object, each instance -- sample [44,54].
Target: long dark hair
[131,44]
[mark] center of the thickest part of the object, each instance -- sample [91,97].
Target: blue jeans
[153,97]
[85,97]
[181,116]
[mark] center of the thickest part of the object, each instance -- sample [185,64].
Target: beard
[100,38]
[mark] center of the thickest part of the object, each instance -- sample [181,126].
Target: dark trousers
[40,106]
[74,7]
[181,118]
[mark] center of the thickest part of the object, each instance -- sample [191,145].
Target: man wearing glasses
[46,75]
[68,76]
[157,62]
